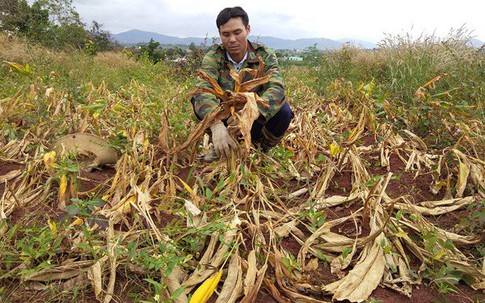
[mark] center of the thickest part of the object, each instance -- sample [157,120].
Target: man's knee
[273,131]
[280,122]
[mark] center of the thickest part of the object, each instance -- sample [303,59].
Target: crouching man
[237,53]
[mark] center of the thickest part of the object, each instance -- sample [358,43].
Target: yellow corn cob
[203,293]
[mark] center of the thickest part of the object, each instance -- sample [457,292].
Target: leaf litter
[265,200]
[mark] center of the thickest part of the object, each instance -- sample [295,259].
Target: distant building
[295,58]
[179,60]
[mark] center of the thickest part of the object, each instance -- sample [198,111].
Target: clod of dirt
[93,151]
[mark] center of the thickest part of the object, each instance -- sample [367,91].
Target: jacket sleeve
[206,103]
[274,93]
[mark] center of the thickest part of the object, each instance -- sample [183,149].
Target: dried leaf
[10,175]
[436,208]
[41,286]
[312,265]
[252,84]
[357,131]
[237,80]
[253,292]
[95,275]
[216,88]
[251,272]
[213,259]
[292,294]
[233,286]
[113,264]
[284,230]
[191,208]
[366,275]
[464,171]
[164,131]
[417,142]
[249,114]
[59,273]
[173,284]
[275,293]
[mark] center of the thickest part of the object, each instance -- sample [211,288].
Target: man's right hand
[223,142]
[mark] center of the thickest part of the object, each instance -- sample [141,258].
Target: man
[236,52]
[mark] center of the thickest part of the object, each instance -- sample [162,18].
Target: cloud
[368,20]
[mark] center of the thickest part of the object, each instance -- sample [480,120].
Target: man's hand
[223,142]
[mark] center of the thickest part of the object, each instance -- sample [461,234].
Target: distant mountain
[136,36]
[277,43]
[476,42]
[359,43]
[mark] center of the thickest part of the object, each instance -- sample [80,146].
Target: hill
[359,43]
[277,43]
[476,43]
[136,36]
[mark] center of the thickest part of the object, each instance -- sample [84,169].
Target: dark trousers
[277,125]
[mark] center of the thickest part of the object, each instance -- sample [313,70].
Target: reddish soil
[6,167]
[92,179]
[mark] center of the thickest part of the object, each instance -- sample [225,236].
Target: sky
[371,20]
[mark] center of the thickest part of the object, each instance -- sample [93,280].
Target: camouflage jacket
[217,65]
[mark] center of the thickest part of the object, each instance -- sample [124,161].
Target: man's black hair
[232,12]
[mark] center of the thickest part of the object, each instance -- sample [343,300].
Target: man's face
[234,38]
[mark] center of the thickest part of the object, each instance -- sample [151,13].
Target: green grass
[400,66]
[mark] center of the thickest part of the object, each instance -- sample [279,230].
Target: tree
[151,52]
[38,25]
[65,26]
[54,23]
[14,15]
[192,47]
[61,12]
[100,37]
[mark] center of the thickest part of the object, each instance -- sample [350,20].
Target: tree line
[53,23]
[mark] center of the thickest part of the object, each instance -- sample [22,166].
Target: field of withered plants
[376,193]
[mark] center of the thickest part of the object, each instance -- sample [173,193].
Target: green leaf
[19,68]
[98,202]
[448,244]
[72,209]
[321,220]
[346,252]
[440,254]
[177,293]
[155,283]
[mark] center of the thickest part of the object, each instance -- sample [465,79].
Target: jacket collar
[252,47]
